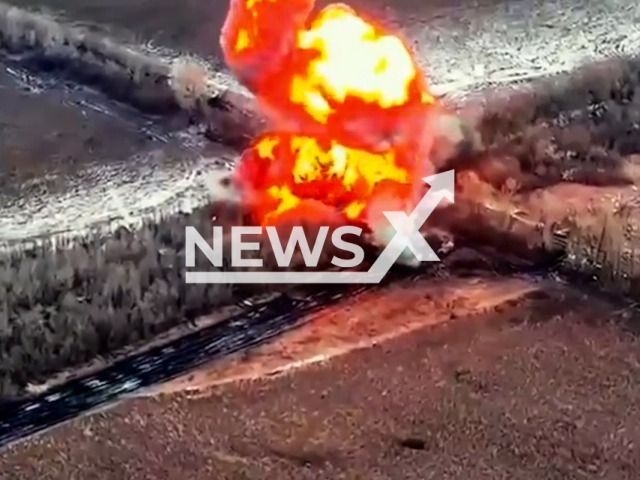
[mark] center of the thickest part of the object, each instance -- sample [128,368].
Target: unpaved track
[338,329]
[540,389]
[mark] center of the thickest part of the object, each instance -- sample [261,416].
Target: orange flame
[347,100]
[354,60]
[288,167]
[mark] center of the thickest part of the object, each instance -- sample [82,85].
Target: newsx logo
[407,236]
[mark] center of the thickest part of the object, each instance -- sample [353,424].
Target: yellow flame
[355,60]
[354,209]
[266,147]
[356,170]
[287,199]
[243,41]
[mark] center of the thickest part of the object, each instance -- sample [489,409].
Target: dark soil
[541,389]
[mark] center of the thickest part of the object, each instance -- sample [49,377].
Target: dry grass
[595,230]
[63,305]
[605,243]
[557,165]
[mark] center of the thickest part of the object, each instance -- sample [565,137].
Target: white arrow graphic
[408,226]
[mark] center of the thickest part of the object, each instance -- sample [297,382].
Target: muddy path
[347,326]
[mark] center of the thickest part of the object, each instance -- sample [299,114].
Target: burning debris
[350,114]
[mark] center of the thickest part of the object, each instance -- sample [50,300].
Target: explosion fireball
[348,109]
